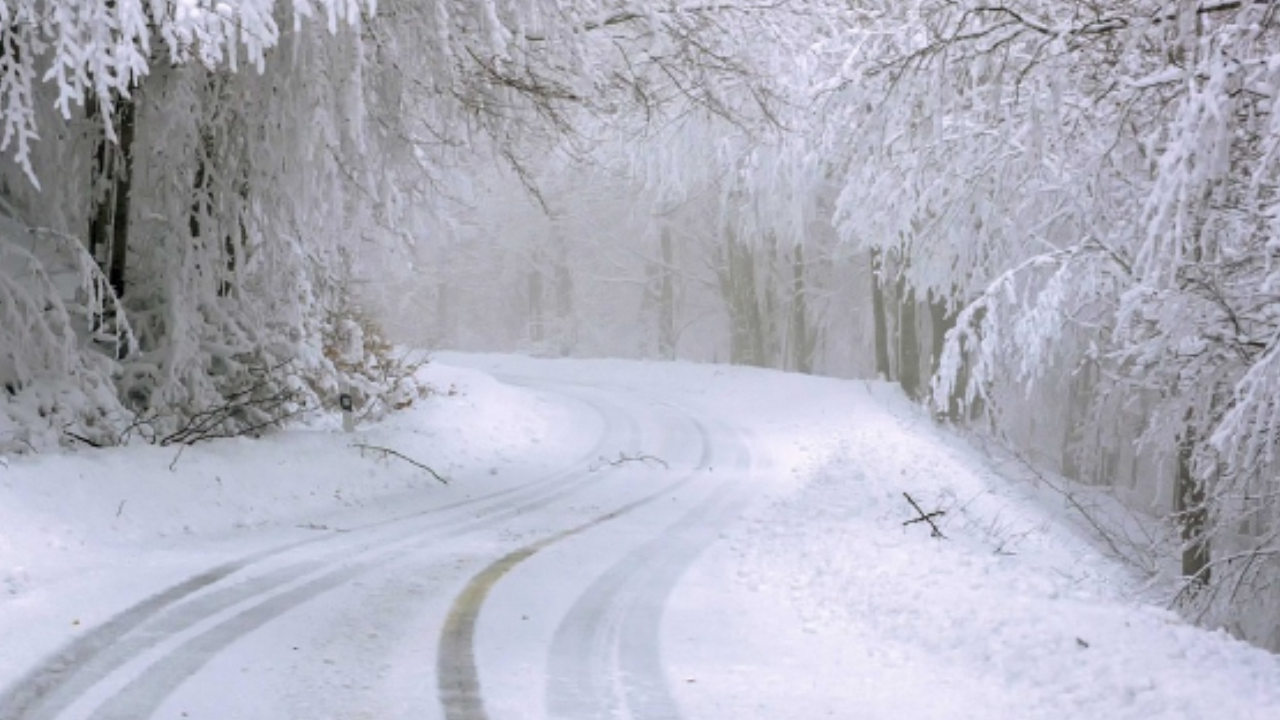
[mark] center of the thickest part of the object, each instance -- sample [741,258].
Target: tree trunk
[666,298]
[908,339]
[942,321]
[109,215]
[1193,515]
[801,341]
[534,300]
[565,328]
[753,315]
[769,352]
[883,368]
[1078,389]
[100,190]
[738,289]
[123,187]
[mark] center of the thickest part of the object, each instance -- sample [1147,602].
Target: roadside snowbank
[1015,614]
[64,514]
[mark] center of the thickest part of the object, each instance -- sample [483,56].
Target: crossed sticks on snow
[925,517]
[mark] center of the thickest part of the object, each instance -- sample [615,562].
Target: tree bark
[908,338]
[942,321]
[101,189]
[883,368]
[666,298]
[802,337]
[123,187]
[111,186]
[740,289]
[536,315]
[565,328]
[1193,515]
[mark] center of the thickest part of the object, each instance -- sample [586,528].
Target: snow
[1013,616]
[766,566]
[65,520]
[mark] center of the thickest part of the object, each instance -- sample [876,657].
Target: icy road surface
[618,540]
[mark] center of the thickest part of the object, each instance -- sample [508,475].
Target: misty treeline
[189,187]
[1050,220]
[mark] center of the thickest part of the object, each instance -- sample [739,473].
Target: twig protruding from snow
[623,459]
[388,452]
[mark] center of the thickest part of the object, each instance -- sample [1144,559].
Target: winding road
[541,600]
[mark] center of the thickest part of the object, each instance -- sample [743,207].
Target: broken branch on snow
[925,517]
[388,452]
[624,459]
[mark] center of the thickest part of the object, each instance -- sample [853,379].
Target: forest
[1054,223]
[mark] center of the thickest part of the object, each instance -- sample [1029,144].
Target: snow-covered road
[574,617]
[618,540]
[553,585]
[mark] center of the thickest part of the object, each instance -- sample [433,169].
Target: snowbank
[60,513]
[1015,614]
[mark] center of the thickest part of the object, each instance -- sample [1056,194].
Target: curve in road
[69,675]
[611,632]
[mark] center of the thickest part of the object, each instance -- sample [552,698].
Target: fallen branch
[925,517]
[261,404]
[388,452]
[213,423]
[83,439]
[624,459]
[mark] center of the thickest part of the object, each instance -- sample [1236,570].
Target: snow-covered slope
[1017,613]
[87,533]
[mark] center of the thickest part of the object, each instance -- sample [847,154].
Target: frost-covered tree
[215,172]
[198,157]
[1090,187]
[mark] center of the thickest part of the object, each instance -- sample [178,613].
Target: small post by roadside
[348,416]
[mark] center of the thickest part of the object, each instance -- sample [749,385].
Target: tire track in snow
[66,666]
[458,681]
[605,659]
[63,678]
[605,656]
[274,596]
